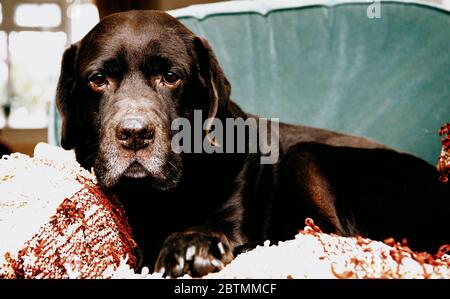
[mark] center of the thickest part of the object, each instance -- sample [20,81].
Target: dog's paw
[194,253]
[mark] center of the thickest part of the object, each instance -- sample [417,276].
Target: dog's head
[121,87]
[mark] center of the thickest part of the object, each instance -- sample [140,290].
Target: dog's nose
[135,133]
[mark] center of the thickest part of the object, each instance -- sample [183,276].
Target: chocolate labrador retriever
[125,83]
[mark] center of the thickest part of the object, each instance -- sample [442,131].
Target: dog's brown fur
[179,203]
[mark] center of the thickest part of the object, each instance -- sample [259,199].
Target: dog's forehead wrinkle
[153,37]
[149,51]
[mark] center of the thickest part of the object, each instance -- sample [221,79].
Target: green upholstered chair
[326,64]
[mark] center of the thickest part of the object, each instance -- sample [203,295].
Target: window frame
[8,25]
[9,6]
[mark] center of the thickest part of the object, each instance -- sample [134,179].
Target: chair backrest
[328,65]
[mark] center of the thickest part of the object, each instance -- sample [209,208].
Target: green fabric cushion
[328,65]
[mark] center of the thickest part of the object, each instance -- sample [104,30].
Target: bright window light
[33,75]
[83,17]
[38,15]
[3,71]
[2,45]
[3,82]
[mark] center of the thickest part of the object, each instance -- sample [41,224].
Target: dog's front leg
[197,252]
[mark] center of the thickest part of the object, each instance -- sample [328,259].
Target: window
[83,17]
[38,15]
[33,36]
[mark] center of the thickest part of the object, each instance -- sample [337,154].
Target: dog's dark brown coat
[181,207]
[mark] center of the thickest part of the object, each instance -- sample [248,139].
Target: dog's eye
[170,77]
[98,79]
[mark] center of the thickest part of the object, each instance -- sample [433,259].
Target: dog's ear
[213,77]
[70,131]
